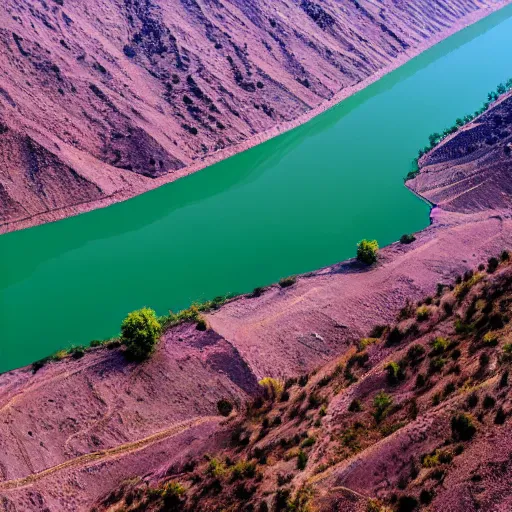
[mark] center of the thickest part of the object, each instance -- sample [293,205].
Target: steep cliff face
[118,93]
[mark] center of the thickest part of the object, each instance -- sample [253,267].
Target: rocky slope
[102,100]
[416,416]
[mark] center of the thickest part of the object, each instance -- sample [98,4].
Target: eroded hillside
[102,100]
[417,415]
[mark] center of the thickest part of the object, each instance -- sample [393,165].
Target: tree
[139,332]
[367,251]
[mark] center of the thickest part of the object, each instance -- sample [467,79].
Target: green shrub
[507,352]
[439,346]
[272,388]
[436,365]
[309,441]
[381,404]
[490,339]
[407,239]
[463,428]
[224,407]
[77,352]
[395,336]
[505,256]
[173,494]
[367,251]
[285,282]
[395,373]
[243,469]
[302,460]
[422,313]
[500,417]
[139,333]
[258,291]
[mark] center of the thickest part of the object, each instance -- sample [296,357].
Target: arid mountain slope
[415,417]
[102,100]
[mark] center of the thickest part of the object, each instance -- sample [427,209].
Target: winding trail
[110,454]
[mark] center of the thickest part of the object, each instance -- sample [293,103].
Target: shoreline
[279,129]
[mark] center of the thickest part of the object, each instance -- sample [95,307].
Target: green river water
[293,204]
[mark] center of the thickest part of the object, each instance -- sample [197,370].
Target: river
[298,202]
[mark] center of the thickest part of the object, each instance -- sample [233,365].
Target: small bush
[309,441]
[407,504]
[472,400]
[462,426]
[139,333]
[202,324]
[415,354]
[426,496]
[272,388]
[355,406]
[302,460]
[216,468]
[500,417]
[395,373]
[439,346]
[489,402]
[422,313]
[407,239]
[420,381]
[492,265]
[395,336]
[436,365]
[173,494]
[258,291]
[285,282]
[243,469]
[505,256]
[224,407]
[367,251]
[377,331]
[381,404]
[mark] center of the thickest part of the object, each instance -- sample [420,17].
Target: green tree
[367,251]
[139,332]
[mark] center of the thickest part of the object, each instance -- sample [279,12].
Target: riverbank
[136,184]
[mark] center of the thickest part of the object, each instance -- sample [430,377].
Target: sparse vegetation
[285,282]
[407,239]
[224,407]
[463,428]
[436,138]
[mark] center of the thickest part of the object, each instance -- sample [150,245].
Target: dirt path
[110,454]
